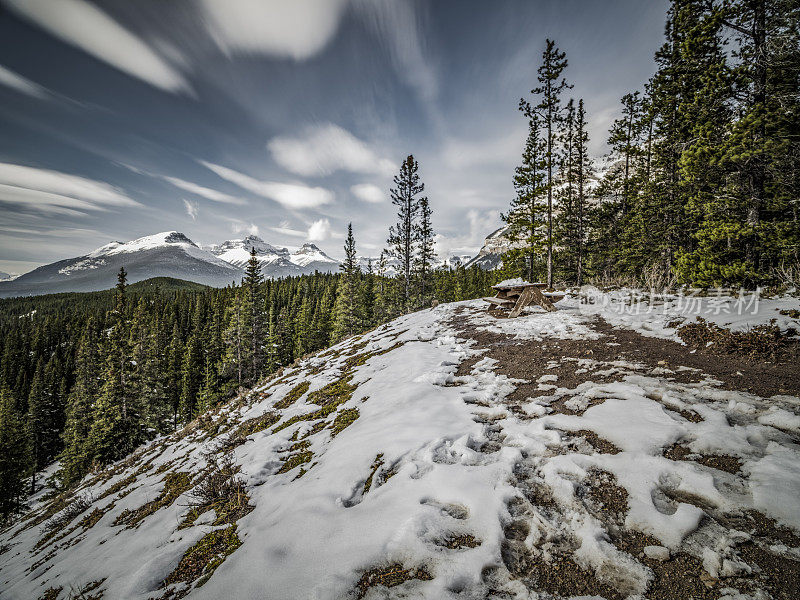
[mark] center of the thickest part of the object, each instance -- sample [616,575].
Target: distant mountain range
[173,254]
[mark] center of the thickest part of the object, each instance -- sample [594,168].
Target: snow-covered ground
[658,314]
[408,466]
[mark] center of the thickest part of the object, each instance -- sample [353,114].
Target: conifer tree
[75,456]
[583,170]
[623,140]
[346,310]
[36,422]
[13,457]
[255,319]
[403,235]
[423,262]
[550,110]
[115,429]
[526,215]
[368,297]
[233,362]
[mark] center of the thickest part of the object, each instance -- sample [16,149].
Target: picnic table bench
[521,295]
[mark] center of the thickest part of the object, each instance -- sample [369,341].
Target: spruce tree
[423,262]
[13,457]
[403,235]
[75,456]
[116,425]
[255,319]
[526,215]
[550,110]
[346,310]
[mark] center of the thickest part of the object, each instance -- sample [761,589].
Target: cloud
[191,208]
[368,193]
[286,229]
[295,196]
[205,192]
[241,227]
[398,26]
[55,192]
[296,29]
[319,231]
[480,225]
[84,25]
[325,148]
[21,84]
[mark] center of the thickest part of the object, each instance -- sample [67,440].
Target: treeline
[85,378]
[705,185]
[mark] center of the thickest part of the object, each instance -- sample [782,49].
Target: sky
[287,120]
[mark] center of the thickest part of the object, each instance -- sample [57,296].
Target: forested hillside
[706,182]
[88,377]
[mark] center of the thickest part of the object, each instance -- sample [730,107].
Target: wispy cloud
[56,192]
[325,148]
[191,208]
[205,192]
[22,84]
[298,29]
[295,196]
[285,228]
[87,27]
[368,193]
[399,26]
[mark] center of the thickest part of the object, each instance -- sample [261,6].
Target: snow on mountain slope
[309,254]
[237,252]
[166,254]
[404,463]
[275,262]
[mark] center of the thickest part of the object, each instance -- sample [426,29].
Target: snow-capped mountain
[275,262]
[166,254]
[453,261]
[7,276]
[490,255]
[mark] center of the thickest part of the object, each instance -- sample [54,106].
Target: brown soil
[682,576]
[529,360]
[722,462]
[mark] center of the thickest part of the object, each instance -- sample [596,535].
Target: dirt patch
[529,360]
[595,441]
[389,577]
[610,498]
[777,574]
[458,541]
[721,462]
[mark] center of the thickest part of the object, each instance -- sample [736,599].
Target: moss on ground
[390,576]
[329,398]
[343,419]
[293,395]
[51,593]
[201,560]
[376,464]
[175,484]
[299,454]
[356,360]
[119,486]
[334,393]
[257,424]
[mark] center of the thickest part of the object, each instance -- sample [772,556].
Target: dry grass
[762,341]
[220,490]
[389,576]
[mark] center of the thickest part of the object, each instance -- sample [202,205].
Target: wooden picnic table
[520,295]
